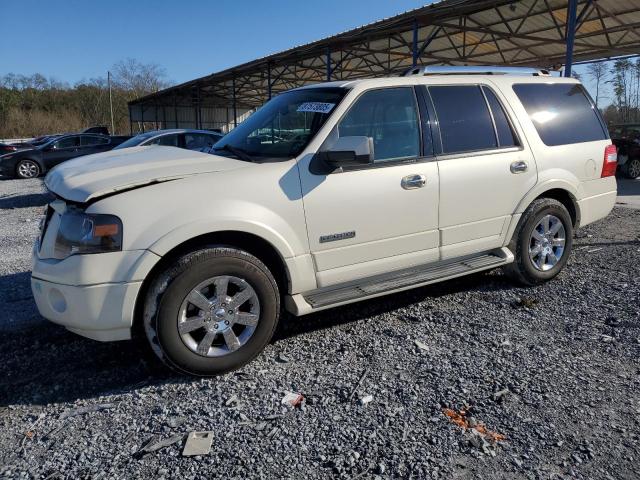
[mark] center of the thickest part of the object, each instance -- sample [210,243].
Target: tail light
[610,161]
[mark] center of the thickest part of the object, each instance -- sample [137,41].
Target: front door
[382,216]
[485,168]
[61,150]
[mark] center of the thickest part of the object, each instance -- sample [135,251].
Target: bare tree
[598,72]
[138,78]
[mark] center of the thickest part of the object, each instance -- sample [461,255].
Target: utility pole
[110,102]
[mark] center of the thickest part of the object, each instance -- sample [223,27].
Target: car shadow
[292,326]
[46,364]
[26,201]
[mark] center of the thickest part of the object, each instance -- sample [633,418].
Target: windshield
[135,141]
[284,126]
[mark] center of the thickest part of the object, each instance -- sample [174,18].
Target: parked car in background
[34,161]
[198,140]
[329,194]
[626,138]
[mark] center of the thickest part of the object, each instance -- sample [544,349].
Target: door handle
[411,182]
[519,167]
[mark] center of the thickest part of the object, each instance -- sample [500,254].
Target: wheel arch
[568,200]
[262,249]
[32,159]
[560,190]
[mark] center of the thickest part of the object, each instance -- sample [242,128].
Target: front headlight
[81,232]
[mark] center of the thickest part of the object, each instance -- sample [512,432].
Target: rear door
[485,169]
[61,150]
[93,144]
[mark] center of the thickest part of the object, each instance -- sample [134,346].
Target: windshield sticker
[318,107]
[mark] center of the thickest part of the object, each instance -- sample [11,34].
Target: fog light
[57,300]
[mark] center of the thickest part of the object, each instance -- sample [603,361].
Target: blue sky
[74,40]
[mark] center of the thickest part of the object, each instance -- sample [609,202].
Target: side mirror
[349,152]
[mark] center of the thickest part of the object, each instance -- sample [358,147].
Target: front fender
[191,230]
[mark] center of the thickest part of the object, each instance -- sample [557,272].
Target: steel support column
[175,109]
[570,35]
[414,45]
[235,109]
[269,79]
[328,63]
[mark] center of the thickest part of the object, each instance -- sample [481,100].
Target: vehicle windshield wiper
[238,152]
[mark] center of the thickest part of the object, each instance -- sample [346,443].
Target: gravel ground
[553,371]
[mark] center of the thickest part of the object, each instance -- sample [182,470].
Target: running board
[397,281]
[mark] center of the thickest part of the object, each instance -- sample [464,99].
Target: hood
[93,176]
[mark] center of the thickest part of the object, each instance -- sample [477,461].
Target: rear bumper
[596,207]
[7,168]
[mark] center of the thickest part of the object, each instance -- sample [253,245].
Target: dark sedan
[626,137]
[32,162]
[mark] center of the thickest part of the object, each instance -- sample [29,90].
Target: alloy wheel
[28,169]
[547,243]
[218,316]
[634,168]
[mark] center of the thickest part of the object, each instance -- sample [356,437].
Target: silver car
[198,140]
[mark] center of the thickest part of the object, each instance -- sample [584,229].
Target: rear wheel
[631,169]
[212,311]
[541,243]
[27,169]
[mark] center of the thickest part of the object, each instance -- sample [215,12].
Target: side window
[464,118]
[199,141]
[561,112]
[390,117]
[506,135]
[88,140]
[167,140]
[67,142]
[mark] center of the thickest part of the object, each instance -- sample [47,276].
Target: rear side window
[506,136]
[561,113]
[67,142]
[87,140]
[167,140]
[464,118]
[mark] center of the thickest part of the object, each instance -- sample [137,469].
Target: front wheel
[541,243]
[211,311]
[27,169]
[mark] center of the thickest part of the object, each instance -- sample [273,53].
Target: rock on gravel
[571,411]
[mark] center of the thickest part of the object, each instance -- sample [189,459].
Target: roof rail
[475,70]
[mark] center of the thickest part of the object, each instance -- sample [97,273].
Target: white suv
[327,195]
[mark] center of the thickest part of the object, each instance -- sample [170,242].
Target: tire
[170,300]
[631,169]
[28,169]
[539,269]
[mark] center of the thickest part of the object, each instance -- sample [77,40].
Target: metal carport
[544,33]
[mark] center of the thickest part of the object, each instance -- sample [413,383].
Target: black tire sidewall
[27,161]
[531,273]
[177,353]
